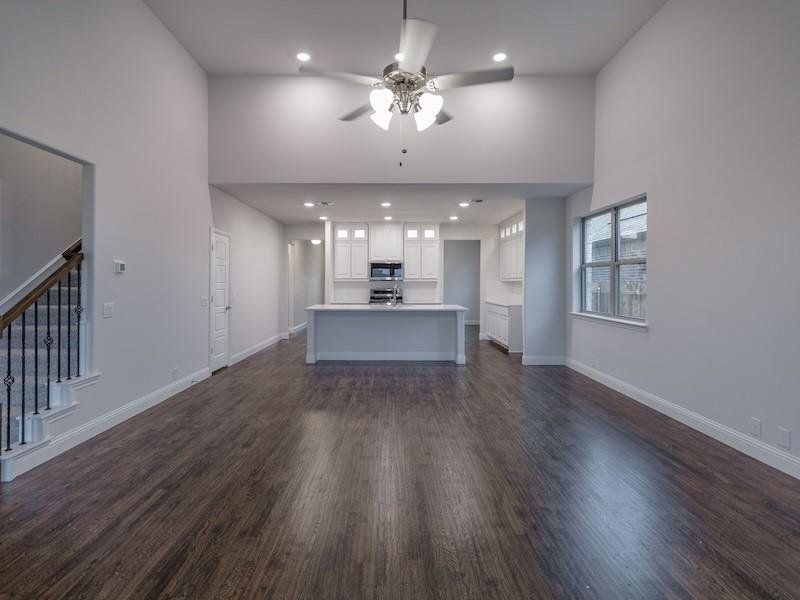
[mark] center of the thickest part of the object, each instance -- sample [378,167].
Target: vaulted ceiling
[539,36]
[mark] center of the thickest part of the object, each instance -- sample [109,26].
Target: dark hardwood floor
[277,480]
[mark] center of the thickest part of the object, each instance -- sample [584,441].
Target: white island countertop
[377,332]
[384,307]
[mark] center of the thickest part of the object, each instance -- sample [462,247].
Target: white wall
[461,276]
[307,281]
[258,273]
[312,231]
[700,111]
[286,129]
[544,305]
[41,199]
[106,82]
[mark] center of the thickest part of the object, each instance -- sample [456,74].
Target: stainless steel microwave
[382,271]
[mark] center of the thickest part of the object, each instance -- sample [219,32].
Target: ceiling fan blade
[354,114]
[443,117]
[457,80]
[340,75]
[416,41]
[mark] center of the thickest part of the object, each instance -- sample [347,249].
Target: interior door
[220,304]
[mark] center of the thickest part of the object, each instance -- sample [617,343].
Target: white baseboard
[761,451]
[298,328]
[240,356]
[541,361]
[53,446]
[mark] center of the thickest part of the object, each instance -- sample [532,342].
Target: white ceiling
[410,202]
[540,36]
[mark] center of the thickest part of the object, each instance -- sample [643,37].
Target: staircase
[40,347]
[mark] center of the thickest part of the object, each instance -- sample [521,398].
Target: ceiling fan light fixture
[430,105]
[381,100]
[382,119]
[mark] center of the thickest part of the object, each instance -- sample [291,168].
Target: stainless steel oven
[383,271]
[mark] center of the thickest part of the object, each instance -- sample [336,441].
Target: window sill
[642,325]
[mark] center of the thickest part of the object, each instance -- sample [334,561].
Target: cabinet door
[359,260]
[520,257]
[341,232]
[394,242]
[504,259]
[413,261]
[430,260]
[377,242]
[502,327]
[341,260]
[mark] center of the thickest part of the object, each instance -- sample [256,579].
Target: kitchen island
[376,332]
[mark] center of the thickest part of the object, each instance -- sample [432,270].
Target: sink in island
[409,332]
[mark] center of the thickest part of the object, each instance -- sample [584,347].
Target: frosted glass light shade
[381,100]
[430,105]
[382,119]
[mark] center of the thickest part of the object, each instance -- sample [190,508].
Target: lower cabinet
[504,325]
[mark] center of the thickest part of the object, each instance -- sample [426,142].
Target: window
[614,262]
[429,233]
[412,233]
[521,226]
[342,233]
[359,233]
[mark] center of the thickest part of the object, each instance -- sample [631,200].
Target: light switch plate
[784,438]
[755,427]
[108,310]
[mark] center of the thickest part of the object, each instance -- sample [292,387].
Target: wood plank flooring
[274,479]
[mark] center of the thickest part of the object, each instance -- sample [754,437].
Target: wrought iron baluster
[22,407]
[48,342]
[69,325]
[78,311]
[36,357]
[58,336]
[8,380]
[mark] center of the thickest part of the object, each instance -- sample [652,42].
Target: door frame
[212,232]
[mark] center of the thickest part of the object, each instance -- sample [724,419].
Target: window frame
[613,265]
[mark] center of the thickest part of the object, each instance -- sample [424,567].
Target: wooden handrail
[75,257]
[74,249]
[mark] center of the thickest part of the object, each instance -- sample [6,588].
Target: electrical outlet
[108,310]
[176,372]
[784,438]
[755,427]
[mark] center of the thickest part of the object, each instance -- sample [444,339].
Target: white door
[341,260]
[430,260]
[220,304]
[412,264]
[359,260]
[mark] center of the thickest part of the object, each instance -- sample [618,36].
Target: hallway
[274,479]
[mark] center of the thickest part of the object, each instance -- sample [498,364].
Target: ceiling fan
[405,85]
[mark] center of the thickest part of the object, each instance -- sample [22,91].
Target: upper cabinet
[421,249]
[385,242]
[512,248]
[350,252]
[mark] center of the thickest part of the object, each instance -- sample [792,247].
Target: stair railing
[47,294]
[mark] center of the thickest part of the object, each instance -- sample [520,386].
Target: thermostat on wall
[119,266]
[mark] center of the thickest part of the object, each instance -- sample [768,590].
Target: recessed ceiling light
[398,56]
[499,57]
[387,218]
[454,218]
[463,204]
[386,204]
[323,218]
[308,204]
[316,242]
[303,56]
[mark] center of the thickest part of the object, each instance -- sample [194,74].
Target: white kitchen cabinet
[386,242]
[342,267]
[359,260]
[422,252]
[512,248]
[504,325]
[430,260]
[350,252]
[412,263]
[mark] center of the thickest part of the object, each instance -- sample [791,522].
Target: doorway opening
[306,280]
[462,277]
